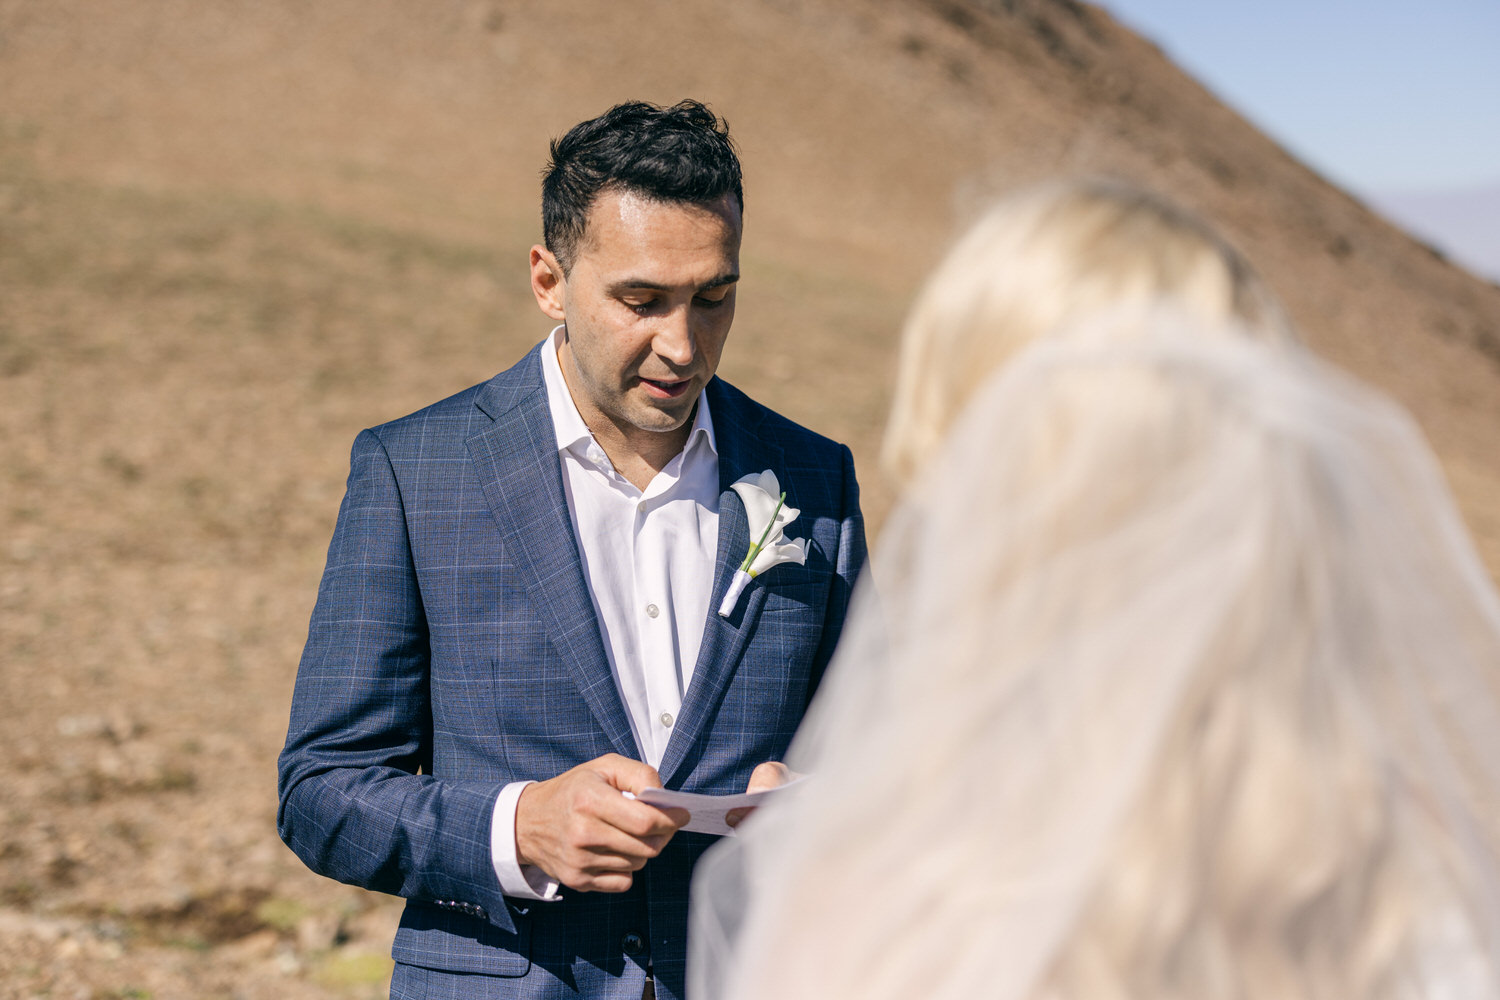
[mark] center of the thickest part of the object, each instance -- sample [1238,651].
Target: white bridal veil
[1182,683]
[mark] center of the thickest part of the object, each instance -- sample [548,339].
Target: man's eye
[643,308]
[703,303]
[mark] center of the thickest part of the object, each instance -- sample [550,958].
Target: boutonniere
[767,512]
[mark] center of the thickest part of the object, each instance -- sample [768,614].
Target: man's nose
[673,339]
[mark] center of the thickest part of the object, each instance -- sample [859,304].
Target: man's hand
[771,774]
[580,830]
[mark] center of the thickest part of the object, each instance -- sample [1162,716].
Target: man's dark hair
[681,153]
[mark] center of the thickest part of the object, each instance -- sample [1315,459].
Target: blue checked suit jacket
[454,648]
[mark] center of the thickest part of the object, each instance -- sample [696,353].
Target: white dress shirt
[649,560]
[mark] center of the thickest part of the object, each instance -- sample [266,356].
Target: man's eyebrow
[641,284]
[721,281]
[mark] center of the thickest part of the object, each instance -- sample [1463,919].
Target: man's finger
[627,775]
[771,774]
[609,882]
[641,820]
[604,840]
[667,820]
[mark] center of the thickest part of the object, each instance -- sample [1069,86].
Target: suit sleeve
[847,568]
[353,805]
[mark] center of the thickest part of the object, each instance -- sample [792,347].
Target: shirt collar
[567,423]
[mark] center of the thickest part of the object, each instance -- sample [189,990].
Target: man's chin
[663,423]
[663,416]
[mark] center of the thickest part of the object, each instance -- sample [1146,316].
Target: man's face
[647,306]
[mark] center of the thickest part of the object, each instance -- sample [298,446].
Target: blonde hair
[1320,819]
[1049,258]
[1186,701]
[1189,691]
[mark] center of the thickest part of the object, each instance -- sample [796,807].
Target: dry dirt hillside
[231,235]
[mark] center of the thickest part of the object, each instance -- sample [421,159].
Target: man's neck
[637,454]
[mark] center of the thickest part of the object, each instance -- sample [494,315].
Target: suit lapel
[519,471]
[741,452]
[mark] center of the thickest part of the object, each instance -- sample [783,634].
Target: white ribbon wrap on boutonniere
[767,513]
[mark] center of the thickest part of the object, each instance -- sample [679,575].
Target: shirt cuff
[516,879]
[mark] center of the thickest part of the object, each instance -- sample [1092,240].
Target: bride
[1183,680]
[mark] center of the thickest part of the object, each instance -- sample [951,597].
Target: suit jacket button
[633,943]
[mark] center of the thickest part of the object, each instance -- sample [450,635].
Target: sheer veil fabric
[1182,682]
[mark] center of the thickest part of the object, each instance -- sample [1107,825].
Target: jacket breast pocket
[794,590]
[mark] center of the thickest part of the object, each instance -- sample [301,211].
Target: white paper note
[709,812]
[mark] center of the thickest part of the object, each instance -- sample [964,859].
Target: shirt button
[641,506]
[652,611]
[666,719]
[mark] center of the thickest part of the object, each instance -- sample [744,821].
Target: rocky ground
[175,446]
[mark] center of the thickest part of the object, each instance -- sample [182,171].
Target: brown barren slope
[233,234]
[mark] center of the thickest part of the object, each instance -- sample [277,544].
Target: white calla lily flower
[767,514]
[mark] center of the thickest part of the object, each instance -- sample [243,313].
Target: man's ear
[548,283]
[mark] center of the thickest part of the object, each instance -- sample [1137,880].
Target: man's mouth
[666,388]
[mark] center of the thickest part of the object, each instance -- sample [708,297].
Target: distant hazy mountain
[1463,223]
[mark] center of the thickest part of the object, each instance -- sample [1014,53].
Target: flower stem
[755,549]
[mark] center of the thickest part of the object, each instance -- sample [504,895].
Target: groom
[519,616]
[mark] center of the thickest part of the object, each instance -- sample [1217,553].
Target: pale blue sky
[1399,102]
[1378,95]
